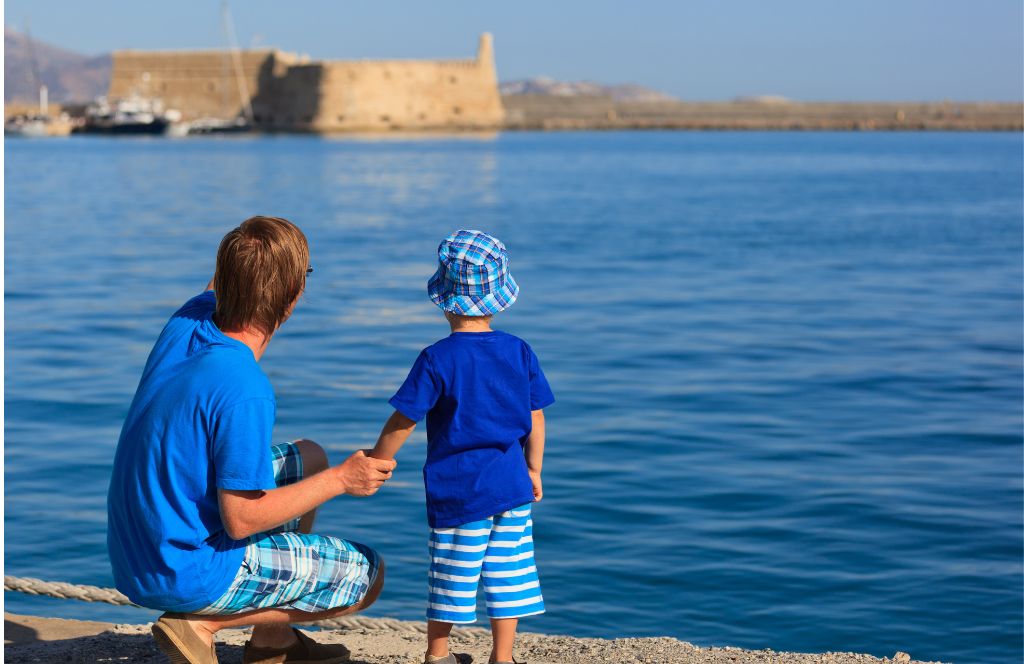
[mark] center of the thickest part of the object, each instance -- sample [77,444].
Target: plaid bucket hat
[472,277]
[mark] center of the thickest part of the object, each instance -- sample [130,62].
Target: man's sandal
[176,638]
[304,651]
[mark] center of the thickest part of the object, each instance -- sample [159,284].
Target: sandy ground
[32,639]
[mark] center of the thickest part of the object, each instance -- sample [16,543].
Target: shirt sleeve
[419,392]
[540,391]
[241,446]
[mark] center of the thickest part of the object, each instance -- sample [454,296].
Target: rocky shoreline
[33,639]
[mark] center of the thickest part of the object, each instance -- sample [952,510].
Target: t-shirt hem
[443,521]
[158,604]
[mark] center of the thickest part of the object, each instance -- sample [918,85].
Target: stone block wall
[292,94]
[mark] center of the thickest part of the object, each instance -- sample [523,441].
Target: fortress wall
[197,83]
[289,94]
[374,95]
[403,95]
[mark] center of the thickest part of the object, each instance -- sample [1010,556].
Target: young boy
[482,392]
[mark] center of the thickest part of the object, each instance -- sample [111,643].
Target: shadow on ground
[23,647]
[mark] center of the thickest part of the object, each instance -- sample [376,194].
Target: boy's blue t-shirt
[476,390]
[201,419]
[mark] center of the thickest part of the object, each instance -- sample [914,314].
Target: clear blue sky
[695,49]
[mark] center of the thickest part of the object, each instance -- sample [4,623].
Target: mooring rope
[85,593]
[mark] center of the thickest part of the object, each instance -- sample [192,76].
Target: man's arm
[246,513]
[535,453]
[394,434]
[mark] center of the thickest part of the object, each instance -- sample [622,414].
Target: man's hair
[261,270]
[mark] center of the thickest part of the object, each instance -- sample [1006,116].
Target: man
[208,521]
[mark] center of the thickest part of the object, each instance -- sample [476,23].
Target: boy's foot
[304,651]
[180,642]
[450,658]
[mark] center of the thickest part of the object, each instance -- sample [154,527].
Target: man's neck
[255,340]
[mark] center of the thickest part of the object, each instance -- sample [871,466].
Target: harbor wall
[289,93]
[549,112]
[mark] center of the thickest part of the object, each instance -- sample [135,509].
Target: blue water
[788,366]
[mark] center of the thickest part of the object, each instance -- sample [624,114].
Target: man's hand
[538,488]
[361,475]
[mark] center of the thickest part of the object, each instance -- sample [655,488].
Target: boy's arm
[535,453]
[394,434]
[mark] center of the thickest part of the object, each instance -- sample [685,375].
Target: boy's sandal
[450,658]
[514,661]
[304,651]
[176,638]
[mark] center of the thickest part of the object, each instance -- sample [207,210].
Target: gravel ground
[31,639]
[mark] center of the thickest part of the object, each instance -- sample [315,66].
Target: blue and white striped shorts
[290,570]
[500,550]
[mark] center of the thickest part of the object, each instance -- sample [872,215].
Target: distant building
[292,93]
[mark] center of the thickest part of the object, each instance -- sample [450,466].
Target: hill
[625,92]
[70,77]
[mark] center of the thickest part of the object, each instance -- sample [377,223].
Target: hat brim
[497,300]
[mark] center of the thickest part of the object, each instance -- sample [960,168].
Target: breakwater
[548,112]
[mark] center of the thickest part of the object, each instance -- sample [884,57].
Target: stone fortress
[291,93]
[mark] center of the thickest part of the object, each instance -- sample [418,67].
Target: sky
[810,50]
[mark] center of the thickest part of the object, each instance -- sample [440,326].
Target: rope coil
[85,593]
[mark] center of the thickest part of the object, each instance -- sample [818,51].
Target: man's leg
[314,460]
[272,627]
[275,619]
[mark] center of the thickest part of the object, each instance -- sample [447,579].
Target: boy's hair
[261,271]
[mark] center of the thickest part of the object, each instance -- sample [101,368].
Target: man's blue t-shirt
[476,390]
[201,419]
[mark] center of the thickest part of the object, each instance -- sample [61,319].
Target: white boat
[28,126]
[131,115]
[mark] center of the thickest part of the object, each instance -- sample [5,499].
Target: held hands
[361,475]
[538,488]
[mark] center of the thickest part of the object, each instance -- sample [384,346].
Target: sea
[788,366]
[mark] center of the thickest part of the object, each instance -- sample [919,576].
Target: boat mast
[44,104]
[236,57]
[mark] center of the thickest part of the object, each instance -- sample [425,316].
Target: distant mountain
[70,77]
[627,92]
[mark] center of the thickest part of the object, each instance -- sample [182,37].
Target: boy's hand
[538,488]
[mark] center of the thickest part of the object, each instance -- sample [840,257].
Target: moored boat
[131,115]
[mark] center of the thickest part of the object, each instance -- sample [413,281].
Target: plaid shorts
[285,569]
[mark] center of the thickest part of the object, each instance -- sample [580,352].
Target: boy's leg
[437,638]
[503,632]
[510,578]
[456,555]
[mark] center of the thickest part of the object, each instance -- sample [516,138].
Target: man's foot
[180,641]
[304,651]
